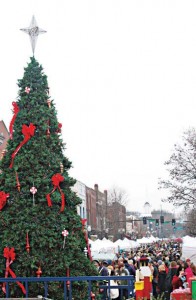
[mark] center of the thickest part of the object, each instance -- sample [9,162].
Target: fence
[68,282]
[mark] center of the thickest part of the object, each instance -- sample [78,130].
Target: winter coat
[103,271]
[130,268]
[169,277]
[161,281]
[176,282]
[189,274]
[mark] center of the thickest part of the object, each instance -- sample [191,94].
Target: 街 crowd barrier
[102,282]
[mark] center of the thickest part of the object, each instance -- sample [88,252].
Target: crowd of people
[169,271]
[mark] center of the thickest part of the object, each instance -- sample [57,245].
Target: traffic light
[162,219]
[173,222]
[157,222]
[144,220]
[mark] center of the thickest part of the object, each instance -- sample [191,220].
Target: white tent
[125,244]
[189,248]
[153,239]
[145,240]
[148,240]
[107,246]
[103,246]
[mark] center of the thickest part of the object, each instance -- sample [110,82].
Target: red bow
[56,179]
[9,253]
[83,221]
[3,199]
[28,132]
[10,256]
[15,110]
[59,128]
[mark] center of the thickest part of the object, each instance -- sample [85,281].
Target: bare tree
[119,195]
[182,172]
[117,201]
[190,226]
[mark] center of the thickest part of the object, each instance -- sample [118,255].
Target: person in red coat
[178,280]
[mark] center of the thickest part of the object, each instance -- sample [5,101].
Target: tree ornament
[39,272]
[9,254]
[27,242]
[3,199]
[17,182]
[85,251]
[83,221]
[27,90]
[3,153]
[28,132]
[33,191]
[33,31]
[49,103]
[16,110]
[61,168]
[59,128]
[48,130]
[56,179]
[65,234]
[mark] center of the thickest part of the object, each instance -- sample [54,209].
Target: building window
[1,138]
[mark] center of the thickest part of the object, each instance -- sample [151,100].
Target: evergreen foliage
[35,164]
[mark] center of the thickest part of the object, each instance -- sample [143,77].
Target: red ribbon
[10,256]
[59,128]
[56,179]
[86,238]
[3,199]
[15,110]
[28,132]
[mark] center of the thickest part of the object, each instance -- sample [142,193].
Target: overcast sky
[123,77]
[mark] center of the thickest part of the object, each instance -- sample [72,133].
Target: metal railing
[103,283]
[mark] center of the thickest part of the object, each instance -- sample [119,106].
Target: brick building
[117,220]
[91,209]
[96,207]
[101,211]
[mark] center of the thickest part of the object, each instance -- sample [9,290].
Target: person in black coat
[161,280]
[168,281]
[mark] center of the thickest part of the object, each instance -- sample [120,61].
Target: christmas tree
[41,231]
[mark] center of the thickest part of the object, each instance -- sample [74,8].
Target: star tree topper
[33,31]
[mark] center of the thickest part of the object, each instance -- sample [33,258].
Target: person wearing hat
[103,270]
[96,263]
